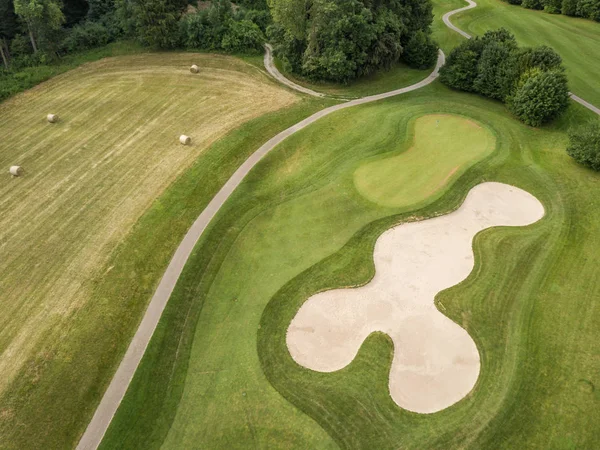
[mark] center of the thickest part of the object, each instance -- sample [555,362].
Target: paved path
[471,5]
[275,73]
[118,386]
[446,18]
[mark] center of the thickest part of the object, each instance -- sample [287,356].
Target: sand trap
[436,363]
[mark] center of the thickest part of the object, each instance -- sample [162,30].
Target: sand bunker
[436,363]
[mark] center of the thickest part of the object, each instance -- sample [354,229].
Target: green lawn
[576,40]
[218,374]
[397,77]
[446,38]
[441,148]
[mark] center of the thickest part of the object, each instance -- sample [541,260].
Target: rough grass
[297,225]
[399,76]
[441,149]
[576,40]
[76,273]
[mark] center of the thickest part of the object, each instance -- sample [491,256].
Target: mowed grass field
[576,40]
[218,373]
[77,264]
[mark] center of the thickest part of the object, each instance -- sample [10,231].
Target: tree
[460,70]
[584,145]
[156,21]
[343,39]
[8,29]
[420,51]
[99,8]
[242,36]
[540,96]
[74,11]
[40,16]
[495,70]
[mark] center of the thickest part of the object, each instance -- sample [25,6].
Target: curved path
[471,5]
[275,73]
[118,386]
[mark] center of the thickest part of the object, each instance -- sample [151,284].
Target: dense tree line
[588,9]
[531,81]
[36,31]
[342,39]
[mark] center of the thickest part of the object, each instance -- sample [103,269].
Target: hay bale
[16,171]
[194,68]
[52,118]
[185,140]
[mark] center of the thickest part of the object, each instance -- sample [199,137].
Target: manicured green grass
[71,298]
[397,77]
[441,148]
[297,225]
[576,40]
[446,38]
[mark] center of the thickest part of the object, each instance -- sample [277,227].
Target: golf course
[380,263]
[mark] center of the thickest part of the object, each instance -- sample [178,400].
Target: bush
[584,145]
[460,70]
[85,36]
[569,7]
[420,51]
[495,70]
[532,4]
[243,36]
[540,97]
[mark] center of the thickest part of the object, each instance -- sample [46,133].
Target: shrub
[243,36]
[85,36]
[569,7]
[543,58]
[420,51]
[584,145]
[540,97]
[460,70]
[532,4]
[495,70]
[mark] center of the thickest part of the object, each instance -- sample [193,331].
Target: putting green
[443,147]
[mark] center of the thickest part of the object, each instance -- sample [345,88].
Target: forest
[321,39]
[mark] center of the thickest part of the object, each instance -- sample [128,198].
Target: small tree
[495,70]
[41,17]
[460,70]
[584,145]
[540,97]
[420,51]
[8,29]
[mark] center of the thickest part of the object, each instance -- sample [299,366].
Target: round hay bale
[185,140]
[16,171]
[194,68]
[52,118]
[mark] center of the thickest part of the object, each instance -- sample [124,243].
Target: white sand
[436,363]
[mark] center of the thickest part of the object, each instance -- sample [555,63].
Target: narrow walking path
[275,73]
[118,386]
[471,5]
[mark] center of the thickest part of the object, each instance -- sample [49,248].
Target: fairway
[88,179]
[576,40]
[442,148]
[297,226]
